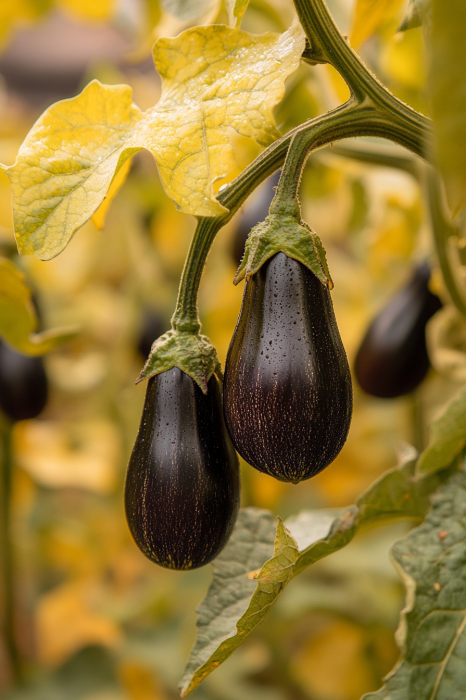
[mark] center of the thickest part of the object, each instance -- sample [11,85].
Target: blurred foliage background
[94,619]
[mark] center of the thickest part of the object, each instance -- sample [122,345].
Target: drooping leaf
[447,437]
[18,319]
[432,632]
[188,10]
[418,12]
[448,94]
[231,590]
[213,78]
[368,16]
[224,623]
[236,10]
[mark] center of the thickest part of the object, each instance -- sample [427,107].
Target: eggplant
[254,211]
[392,359]
[287,388]
[23,384]
[183,485]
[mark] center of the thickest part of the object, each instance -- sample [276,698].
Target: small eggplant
[392,359]
[23,384]
[287,388]
[254,211]
[183,485]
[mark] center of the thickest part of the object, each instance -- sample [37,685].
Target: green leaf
[213,78]
[447,437]
[432,632]
[224,622]
[18,319]
[192,353]
[230,592]
[448,93]
[188,10]
[418,12]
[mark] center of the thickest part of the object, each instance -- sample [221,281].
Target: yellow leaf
[68,619]
[78,455]
[118,180]
[17,13]
[89,10]
[369,15]
[18,319]
[140,682]
[213,78]
[333,662]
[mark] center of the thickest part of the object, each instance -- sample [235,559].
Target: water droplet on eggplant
[288,412]
[182,486]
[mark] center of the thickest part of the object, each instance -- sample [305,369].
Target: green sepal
[284,231]
[192,353]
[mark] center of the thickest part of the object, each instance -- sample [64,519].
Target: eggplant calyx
[283,231]
[192,353]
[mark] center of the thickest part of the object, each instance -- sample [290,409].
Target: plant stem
[371,111]
[443,230]
[6,554]
[385,156]
[417,421]
[405,126]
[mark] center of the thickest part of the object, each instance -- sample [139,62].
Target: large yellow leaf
[213,78]
[18,319]
[369,15]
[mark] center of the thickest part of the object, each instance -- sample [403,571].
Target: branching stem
[371,111]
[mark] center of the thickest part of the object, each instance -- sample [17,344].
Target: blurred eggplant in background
[392,359]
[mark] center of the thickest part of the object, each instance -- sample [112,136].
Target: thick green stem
[6,554]
[327,45]
[371,111]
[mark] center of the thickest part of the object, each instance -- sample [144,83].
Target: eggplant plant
[287,393]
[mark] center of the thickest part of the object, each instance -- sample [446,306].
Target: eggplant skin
[183,484]
[287,389]
[392,359]
[23,384]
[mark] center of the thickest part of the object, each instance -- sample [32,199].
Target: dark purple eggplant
[287,389]
[254,211]
[183,485]
[152,327]
[392,359]
[23,384]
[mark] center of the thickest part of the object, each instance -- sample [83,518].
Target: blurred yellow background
[96,620]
